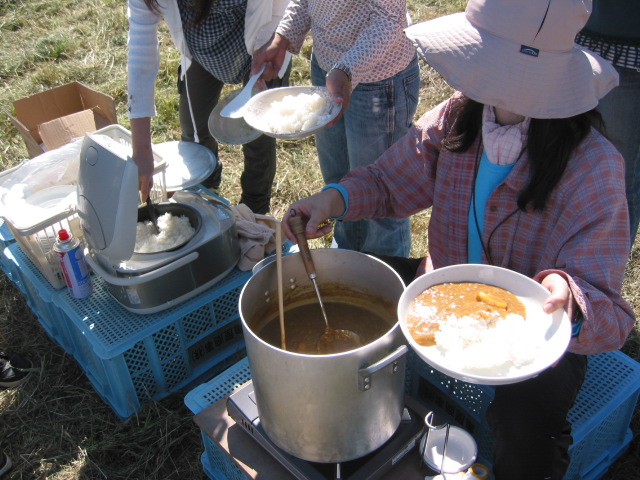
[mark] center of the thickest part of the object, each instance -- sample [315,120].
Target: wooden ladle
[331,341]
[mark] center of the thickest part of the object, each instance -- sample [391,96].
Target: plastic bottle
[74,267]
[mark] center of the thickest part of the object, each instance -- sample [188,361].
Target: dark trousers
[529,422]
[259,155]
[528,419]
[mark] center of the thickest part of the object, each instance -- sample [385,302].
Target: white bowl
[461,449]
[258,106]
[548,336]
[232,131]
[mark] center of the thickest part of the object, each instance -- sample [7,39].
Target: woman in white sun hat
[517,175]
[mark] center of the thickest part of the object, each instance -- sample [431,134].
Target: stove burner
[242,408]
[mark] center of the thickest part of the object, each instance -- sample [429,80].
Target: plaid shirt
[218,43]
[583,233]
[365,35]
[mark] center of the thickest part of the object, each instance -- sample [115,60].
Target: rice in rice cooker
[173,231]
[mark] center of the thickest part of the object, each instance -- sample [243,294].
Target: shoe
[14,370]
[5,464]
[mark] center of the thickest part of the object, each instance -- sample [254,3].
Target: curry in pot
[304,324]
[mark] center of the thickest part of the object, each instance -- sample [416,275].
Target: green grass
[55,426]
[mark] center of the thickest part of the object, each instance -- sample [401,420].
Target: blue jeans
[620,109]
[379,114]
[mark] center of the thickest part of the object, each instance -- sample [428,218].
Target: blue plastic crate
[600,417]
[39,295]
[6,237]
[131,358]
[10,269]
[6,263]
[215,463]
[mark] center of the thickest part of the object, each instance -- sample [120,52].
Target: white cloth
[256,239]
[503,143]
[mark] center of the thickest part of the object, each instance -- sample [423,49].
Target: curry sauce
[304,325]
[477,300]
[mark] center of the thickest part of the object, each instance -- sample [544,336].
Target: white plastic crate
[158,192]
[37,240]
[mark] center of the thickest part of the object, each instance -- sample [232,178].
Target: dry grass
[55,426]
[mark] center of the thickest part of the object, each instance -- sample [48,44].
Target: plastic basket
[37,240]
[158,191]
[600,417]
[129,358]
[215,462]
[6,264]
[39,295]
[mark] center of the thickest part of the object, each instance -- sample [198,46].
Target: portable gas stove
[242,408]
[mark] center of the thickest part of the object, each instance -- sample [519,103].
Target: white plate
[259,104]
[188,164]
[549,335]
[232,131]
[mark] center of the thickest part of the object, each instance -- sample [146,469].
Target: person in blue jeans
[358,138]
[360,53]
[613,31]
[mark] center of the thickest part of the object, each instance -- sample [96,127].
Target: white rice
[174,230]
[297,113]
[496,348]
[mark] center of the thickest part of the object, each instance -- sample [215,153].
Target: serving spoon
[331,341]
[153,215]
[235,108]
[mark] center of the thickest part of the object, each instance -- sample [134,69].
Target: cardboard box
[53,118]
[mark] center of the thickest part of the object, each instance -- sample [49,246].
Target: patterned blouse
[583,233]
[367,36]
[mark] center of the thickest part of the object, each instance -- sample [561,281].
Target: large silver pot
[326,408]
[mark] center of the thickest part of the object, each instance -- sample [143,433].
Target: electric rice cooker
[109,210]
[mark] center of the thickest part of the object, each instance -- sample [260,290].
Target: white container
[458,448]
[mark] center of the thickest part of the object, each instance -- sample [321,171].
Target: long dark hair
[201,9]
[550,143]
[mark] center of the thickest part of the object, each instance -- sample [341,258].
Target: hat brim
[491,70]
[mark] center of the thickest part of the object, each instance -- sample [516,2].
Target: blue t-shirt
[490,175]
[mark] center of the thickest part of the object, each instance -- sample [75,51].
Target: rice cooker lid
[187,163]
[108,197]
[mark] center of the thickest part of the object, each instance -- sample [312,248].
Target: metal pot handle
[365,374]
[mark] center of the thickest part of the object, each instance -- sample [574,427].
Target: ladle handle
[297,228]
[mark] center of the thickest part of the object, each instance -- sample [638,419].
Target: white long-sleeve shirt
[143,61]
